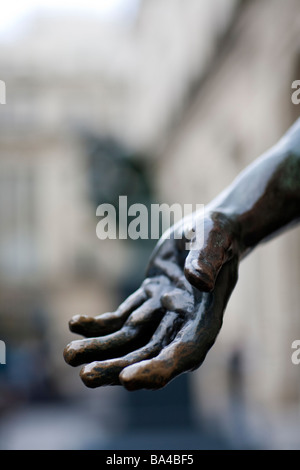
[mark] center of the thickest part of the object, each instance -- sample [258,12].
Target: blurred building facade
[201,89]
[241,109]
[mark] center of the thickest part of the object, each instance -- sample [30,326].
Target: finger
[183,354]
[179,301]
[107,323]
[192,343]
[203,265]
[135,333]
[174,273]
[101,373]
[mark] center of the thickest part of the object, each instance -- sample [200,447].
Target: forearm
[265,197]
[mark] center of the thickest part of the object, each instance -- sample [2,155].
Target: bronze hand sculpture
[168,325]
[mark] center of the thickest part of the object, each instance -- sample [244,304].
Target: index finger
[110,322]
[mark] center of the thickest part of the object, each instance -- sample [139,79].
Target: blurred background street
[164,101]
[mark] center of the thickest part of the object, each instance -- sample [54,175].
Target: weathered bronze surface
[169,324]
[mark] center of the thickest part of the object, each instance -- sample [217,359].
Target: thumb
[202,265]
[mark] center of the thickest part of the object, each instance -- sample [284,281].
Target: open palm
[169,324]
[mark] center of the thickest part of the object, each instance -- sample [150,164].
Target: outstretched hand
[169,324]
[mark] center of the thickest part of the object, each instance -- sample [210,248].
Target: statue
[169,324]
